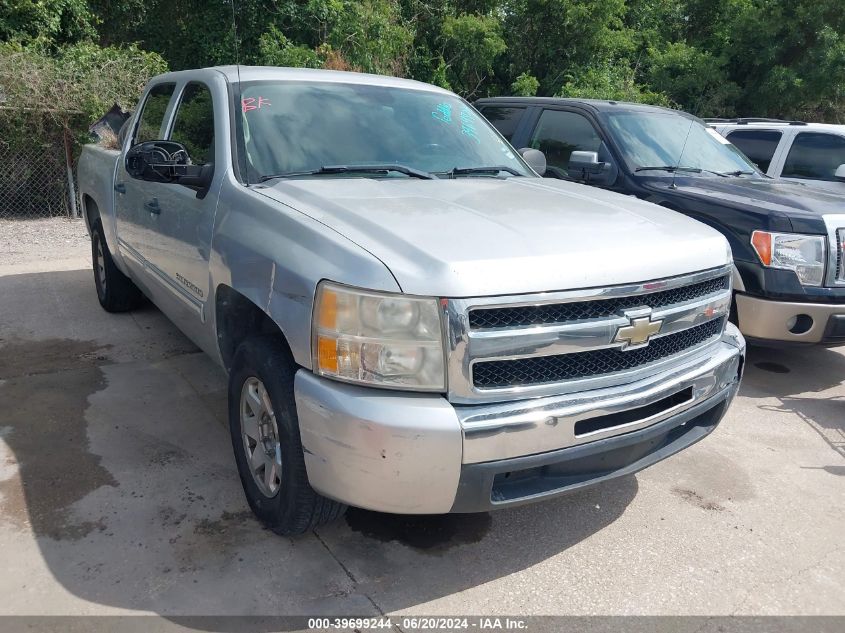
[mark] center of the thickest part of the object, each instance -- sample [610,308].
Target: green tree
[525,85]
[788,55]
[471,44]
[51,22]
[692,77]
[274,49]
[550,38]
[611,80]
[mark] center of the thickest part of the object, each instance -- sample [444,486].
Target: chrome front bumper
[419,454]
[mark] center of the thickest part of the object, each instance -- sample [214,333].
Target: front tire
[115,291]
[266,441]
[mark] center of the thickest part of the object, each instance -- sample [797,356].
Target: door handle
[119,187]
[152,206]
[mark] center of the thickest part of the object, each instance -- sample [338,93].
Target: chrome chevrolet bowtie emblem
[639,331]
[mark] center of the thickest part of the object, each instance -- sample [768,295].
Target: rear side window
[758,145]
[194,123]
[152,115]
[560,133]
[815,156]
[506,120]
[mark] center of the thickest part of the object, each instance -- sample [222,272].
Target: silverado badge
[639,330]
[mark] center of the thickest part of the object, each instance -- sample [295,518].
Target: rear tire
[265,437]
[115,291]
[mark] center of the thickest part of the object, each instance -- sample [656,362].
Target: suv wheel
[265,438]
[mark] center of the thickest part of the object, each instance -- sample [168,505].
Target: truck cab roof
[235,74]
[596,105]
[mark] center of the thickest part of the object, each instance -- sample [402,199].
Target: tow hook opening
[605,422]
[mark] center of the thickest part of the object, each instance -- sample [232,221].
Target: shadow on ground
[791,374]
[119,467]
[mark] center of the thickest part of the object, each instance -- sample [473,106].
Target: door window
[506,120]
[758,145]
[815,156]
[194,123]
[152,116]
[559,133]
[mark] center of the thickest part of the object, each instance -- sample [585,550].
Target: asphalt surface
[119,494]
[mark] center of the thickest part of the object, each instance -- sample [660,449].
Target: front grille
[840,254]
[548,369]
[491,318]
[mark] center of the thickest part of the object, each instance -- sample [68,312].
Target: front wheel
[265,438]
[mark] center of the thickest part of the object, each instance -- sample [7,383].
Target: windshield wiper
[354,169]
[493,169]
[738,172]
[670,168]
[693,170]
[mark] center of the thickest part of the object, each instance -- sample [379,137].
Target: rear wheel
[115,291]
[266,441]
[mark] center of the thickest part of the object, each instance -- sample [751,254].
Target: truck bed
[95,175]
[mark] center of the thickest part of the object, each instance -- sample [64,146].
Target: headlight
[803,254]
[379,339]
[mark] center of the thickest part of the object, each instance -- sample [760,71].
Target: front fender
[275,256]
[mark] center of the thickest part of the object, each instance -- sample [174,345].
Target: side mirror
[535,158]
[167,162]
[839,174]
[585,166]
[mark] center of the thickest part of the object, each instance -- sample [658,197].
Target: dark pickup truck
[788,240]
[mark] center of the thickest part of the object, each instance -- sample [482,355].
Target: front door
[183,219]
[171,225]
[558,133]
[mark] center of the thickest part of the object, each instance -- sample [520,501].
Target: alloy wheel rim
[101,268]
[260,435]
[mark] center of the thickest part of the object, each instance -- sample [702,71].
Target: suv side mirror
[167,162]
[535,158]
[839,174]
[585,166]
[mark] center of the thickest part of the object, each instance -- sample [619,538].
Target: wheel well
[92,211]
[238,318]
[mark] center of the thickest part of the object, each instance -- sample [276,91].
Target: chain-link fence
[34,181]
[34,178]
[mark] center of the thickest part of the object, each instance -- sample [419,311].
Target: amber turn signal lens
[327,309]
[327,354]
[762,243]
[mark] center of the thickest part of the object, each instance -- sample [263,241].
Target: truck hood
[488,236]
[794,200]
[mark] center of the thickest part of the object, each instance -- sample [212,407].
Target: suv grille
[840,254]
[548,369]
[596,309]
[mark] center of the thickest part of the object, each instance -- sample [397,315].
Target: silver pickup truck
[411,319]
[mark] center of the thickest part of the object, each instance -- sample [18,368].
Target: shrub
[69,89]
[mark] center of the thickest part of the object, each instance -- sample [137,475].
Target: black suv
[788,240]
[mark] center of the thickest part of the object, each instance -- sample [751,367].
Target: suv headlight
[379,339]
[803,254]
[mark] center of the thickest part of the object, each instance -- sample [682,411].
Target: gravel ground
[51,239]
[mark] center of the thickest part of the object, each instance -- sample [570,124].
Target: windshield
[656,139]
[295,127]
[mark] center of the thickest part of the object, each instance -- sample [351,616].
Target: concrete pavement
[119,494]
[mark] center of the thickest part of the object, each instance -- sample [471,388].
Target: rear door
[132,218]
[510,120]
[813,158]
[759,145]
